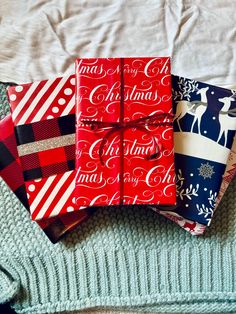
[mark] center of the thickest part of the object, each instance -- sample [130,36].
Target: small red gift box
[43,114]
[124,135]
[44,121]
[11,172]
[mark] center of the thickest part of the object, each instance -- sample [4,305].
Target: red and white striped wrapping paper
[11,172]
[52,195]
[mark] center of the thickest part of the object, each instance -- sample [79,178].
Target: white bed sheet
[41,39]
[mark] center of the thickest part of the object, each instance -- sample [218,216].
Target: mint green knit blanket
[129,258]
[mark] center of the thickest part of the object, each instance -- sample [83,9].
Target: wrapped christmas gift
[230,173]
[192,226]
[204,126]
[44,118]
[124,135]
[11,172]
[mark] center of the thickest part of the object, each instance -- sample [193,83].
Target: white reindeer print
[194,108]
[227,123]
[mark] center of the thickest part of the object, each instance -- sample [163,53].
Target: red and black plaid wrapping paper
[44,118]
[46,163]
[11,168]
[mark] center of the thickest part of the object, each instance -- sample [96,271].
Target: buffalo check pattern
[10,171]
[37,148]
[44,118]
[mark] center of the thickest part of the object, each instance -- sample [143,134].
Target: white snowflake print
[206,171]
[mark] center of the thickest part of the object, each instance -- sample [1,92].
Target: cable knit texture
[128,258]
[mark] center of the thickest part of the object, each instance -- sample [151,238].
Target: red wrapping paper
[43,114]
[43,117]
[119,172]
[11,172]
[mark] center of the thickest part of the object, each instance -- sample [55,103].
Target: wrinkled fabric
[41,39]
